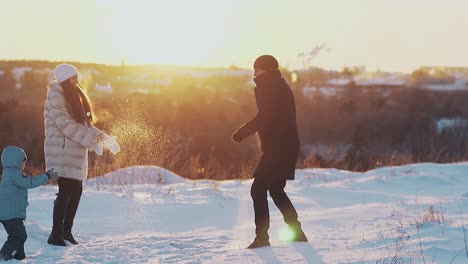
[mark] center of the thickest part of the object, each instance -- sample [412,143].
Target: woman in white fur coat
[69,134]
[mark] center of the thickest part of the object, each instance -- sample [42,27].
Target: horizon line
[233,66]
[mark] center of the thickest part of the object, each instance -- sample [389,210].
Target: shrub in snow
[432,216]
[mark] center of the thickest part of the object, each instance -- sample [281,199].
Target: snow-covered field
[150,215]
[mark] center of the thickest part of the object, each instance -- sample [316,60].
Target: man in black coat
[276,126]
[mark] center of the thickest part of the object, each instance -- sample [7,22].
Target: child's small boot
[19,256]
[5,257]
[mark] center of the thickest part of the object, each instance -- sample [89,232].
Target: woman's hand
[97,147]
[110,142]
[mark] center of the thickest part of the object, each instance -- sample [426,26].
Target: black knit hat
[266,62]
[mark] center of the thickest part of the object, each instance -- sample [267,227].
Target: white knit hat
[64,72]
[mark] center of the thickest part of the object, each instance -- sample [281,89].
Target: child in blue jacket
[14,200]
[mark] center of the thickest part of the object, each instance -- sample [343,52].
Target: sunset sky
[388,35]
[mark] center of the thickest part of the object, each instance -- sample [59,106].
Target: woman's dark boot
[69,237]
[56,237]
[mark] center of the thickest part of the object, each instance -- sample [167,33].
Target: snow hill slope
[408,214]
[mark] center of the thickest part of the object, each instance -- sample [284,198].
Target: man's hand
[237,137]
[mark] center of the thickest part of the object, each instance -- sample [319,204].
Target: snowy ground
[150,215]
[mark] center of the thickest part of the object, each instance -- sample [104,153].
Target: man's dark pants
[270,176]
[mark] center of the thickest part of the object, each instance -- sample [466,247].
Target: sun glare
[220,33]
[168,32]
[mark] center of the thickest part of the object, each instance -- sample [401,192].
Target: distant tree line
[186,125]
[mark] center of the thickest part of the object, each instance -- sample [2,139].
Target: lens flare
[286,234]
